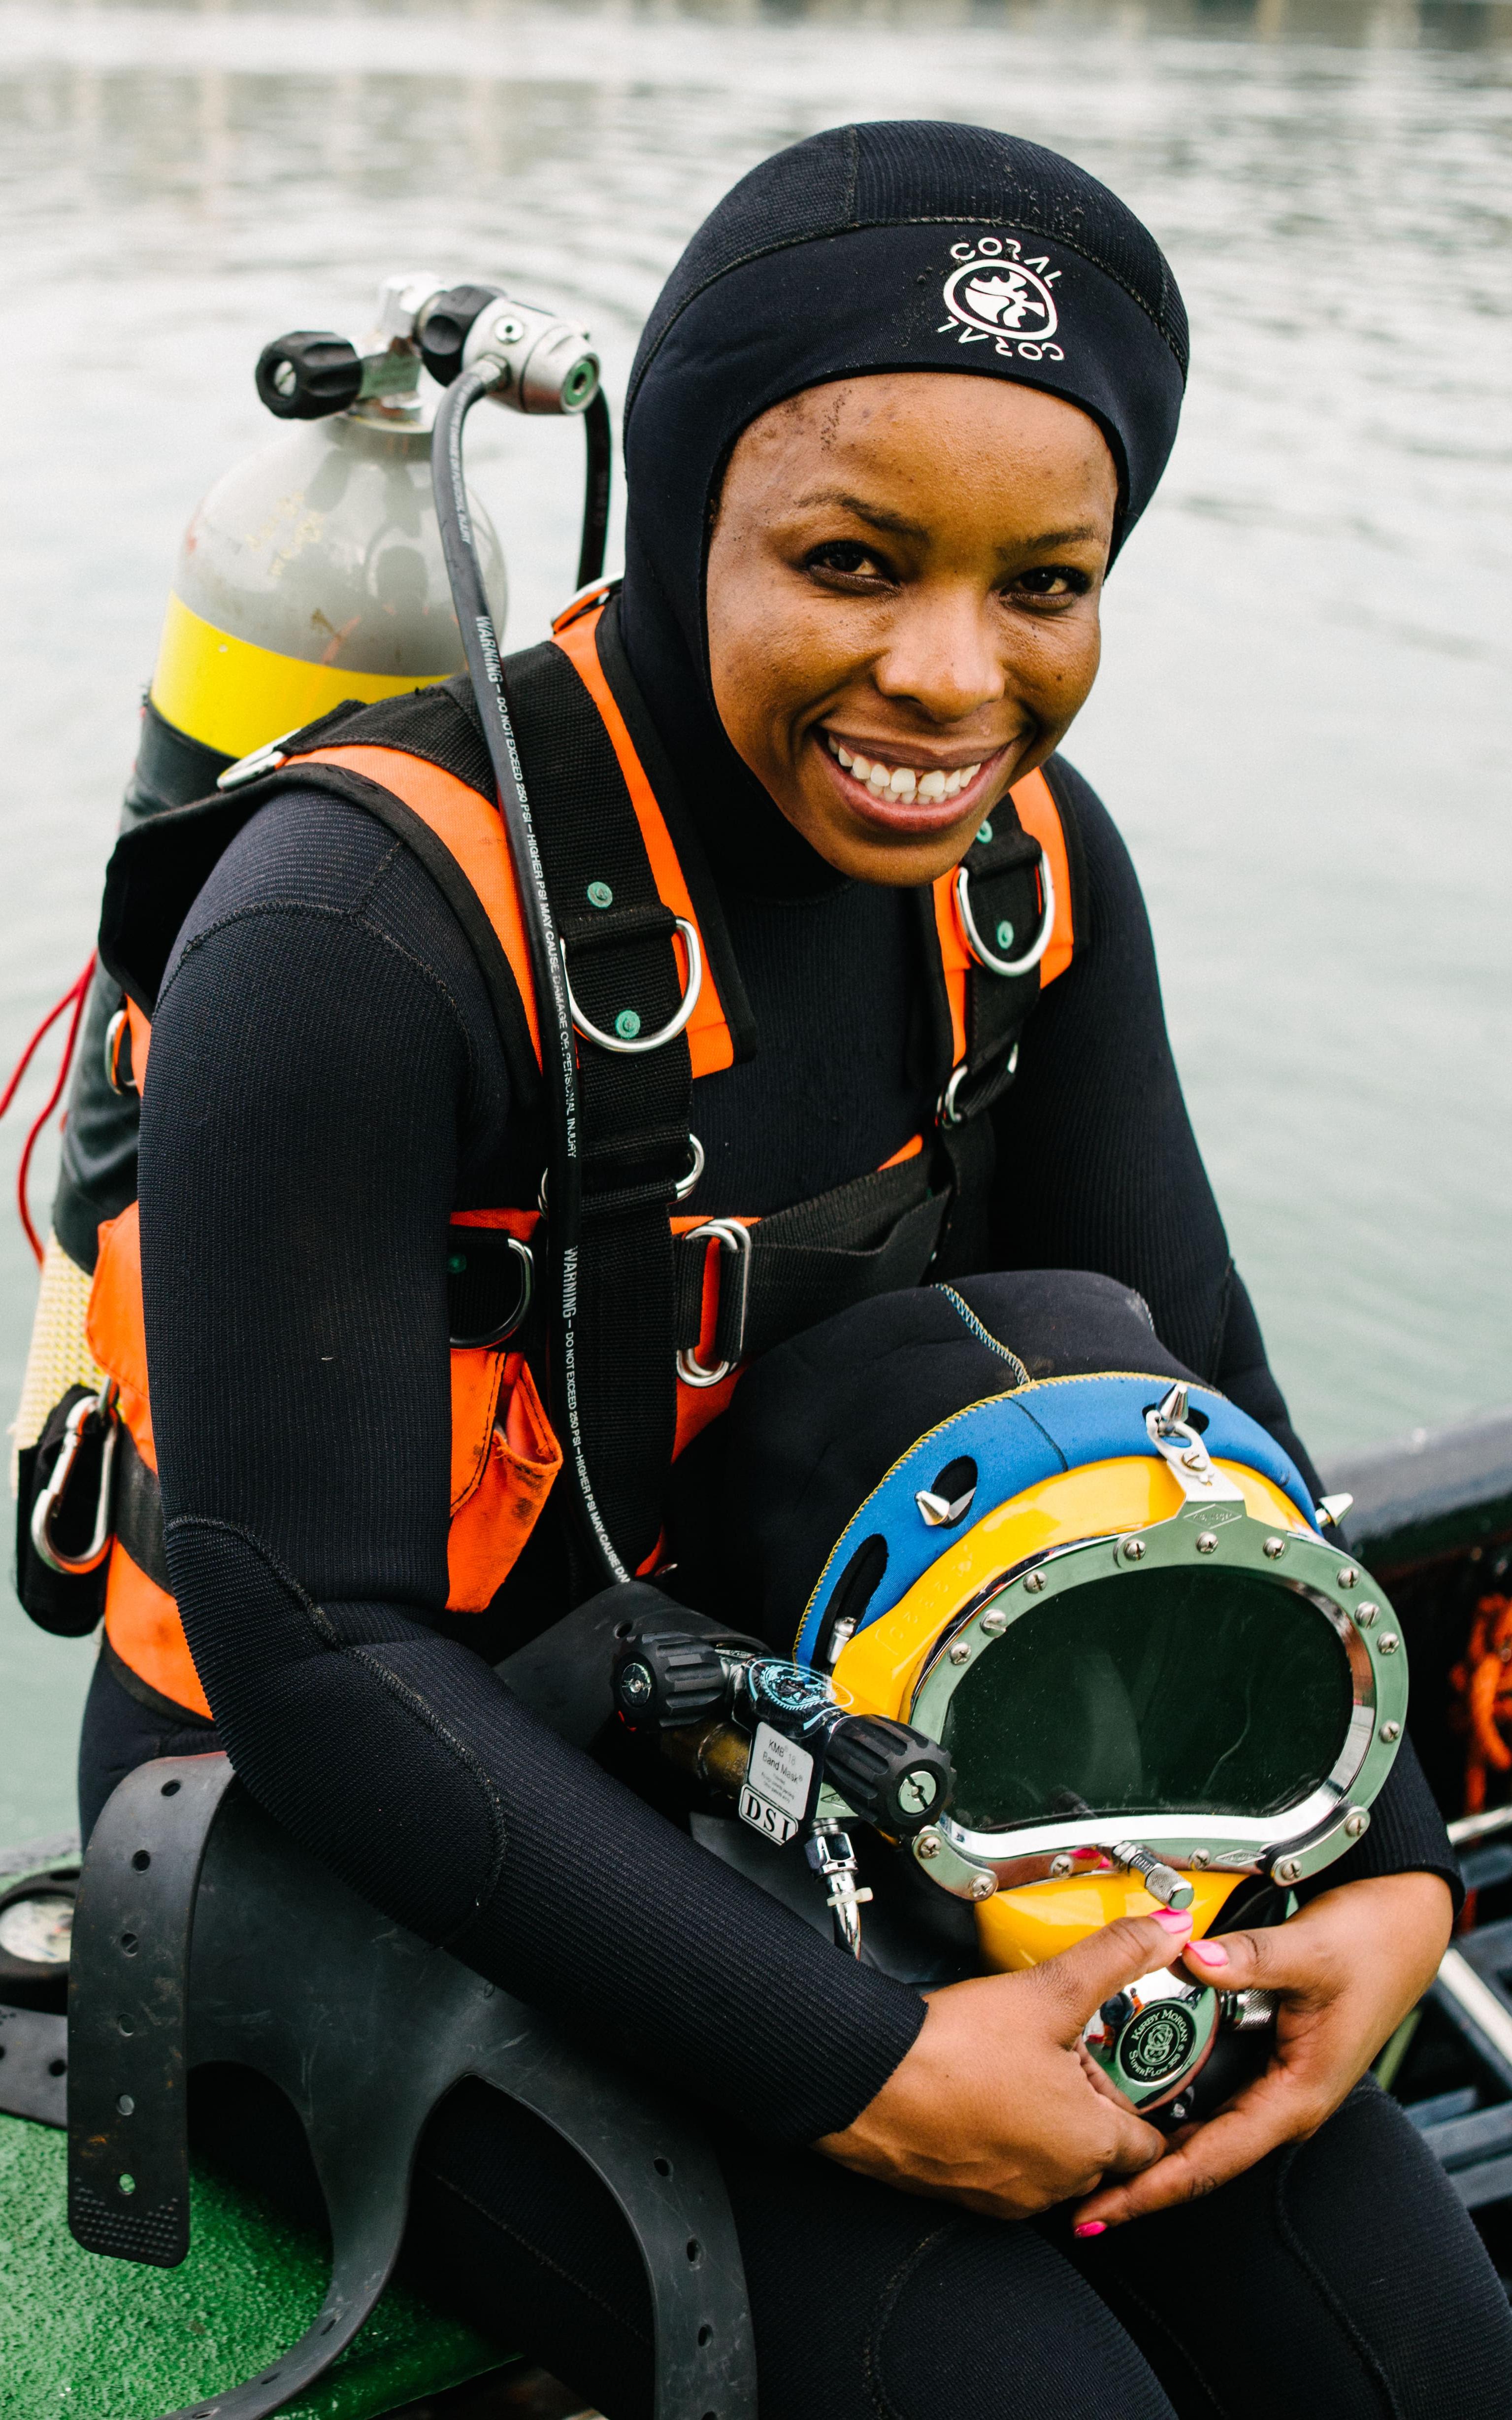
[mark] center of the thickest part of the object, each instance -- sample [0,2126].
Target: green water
[1302,723]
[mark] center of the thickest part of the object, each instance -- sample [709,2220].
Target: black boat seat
[205,1934]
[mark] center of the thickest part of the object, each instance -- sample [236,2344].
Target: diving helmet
[1081,1611]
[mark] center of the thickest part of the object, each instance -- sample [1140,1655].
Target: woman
[898,408]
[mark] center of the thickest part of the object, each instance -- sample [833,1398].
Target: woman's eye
[1052,580]
[848,557]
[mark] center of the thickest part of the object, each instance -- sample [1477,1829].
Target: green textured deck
[107,2340]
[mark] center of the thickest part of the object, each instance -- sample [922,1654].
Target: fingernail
[1092,2226]
[1207,1953]
[1174,1919]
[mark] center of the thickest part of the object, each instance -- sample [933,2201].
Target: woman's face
[903,606]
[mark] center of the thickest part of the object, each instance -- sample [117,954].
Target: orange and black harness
[674,1305]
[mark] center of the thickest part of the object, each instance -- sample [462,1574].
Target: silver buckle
[681,1190]
[978,947]
[266,759]
[735,1240]
[669,1032]
[945,1109]
[102,1406]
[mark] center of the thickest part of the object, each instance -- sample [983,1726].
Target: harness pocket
[504,1460]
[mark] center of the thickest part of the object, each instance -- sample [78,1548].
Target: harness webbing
[644,1285]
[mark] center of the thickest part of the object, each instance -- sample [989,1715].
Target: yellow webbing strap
[59,1356]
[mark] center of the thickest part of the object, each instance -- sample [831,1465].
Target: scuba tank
[311,573]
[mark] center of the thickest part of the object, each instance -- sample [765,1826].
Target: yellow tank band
[234,697]
[881,1664]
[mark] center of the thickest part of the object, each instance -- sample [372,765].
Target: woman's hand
[996,2105]
[1348,1968]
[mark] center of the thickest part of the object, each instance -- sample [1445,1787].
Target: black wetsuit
[327,1084]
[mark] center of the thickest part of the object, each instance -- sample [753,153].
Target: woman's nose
[943,656]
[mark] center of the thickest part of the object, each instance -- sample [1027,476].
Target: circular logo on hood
[994,293]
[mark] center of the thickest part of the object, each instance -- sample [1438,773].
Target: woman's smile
[908,790]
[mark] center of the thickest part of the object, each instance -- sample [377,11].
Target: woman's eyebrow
[877,515]
[897,525]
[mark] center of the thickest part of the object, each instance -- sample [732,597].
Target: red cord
[74,998]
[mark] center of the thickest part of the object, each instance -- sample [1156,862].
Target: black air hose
[548,973]
[596,500]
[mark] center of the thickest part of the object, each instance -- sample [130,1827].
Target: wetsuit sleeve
[323,1064]
[1098,1168]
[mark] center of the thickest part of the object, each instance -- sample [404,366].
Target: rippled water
[1301,723]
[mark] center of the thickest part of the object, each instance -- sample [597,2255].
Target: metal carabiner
[978,947]
[735,1239]
[100,1407]
[631,1046]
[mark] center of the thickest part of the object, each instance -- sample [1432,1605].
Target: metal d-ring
[669,1032]
[681,1190]
[685,1183]
[114,1031]
[946,1110]
[978,947]
[515,1320]
[735,1239]
[100,1407]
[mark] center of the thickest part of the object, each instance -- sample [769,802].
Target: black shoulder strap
[1001,868]
[636,1104]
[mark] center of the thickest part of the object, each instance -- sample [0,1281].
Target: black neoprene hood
[907,245]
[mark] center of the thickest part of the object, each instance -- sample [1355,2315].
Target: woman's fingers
[1272,2111]
[1079,1980]
[1264,1961]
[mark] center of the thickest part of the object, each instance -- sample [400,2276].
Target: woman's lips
[908,799]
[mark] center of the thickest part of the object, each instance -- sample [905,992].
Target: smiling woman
[902,595]
[865,999]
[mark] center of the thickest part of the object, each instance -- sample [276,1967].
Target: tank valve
[543,363]
[309,374]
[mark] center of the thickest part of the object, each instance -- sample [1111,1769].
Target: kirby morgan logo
[995,294]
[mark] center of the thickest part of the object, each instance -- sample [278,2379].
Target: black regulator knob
[887,1773]
[666,1678]
[448,323]
[309,374]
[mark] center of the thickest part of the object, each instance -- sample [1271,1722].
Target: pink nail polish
[1207,1953]
[1173,1919]
[1092,2226]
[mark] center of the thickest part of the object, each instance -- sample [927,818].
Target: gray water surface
[1301,723]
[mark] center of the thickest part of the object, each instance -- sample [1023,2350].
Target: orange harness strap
[711,1045]
[1040,817]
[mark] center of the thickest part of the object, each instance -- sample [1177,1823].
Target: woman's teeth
[901,781]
